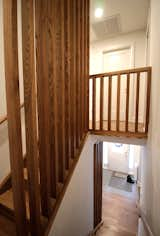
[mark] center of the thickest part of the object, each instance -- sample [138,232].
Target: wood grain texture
[28,51]
[108,123]
[13,112]
[43,100]
[78,74]
[127,101]
[101,102]
[118,101]
[94,104]
[98,149]
[67,49]
[109,101]
[137,101]
[149,74]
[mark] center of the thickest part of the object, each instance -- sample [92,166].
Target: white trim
[145,222]
[93,232]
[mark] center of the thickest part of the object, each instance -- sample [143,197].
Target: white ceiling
[119,17]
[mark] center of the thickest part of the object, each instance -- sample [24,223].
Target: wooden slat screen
[55,54]
[121,121]
[13,113]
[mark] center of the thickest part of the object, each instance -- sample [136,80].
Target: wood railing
[119,102]
[55,58]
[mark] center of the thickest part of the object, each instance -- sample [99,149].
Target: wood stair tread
[6,199]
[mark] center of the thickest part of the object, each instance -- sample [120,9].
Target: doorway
[115,197]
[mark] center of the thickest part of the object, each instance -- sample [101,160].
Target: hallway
[120,215]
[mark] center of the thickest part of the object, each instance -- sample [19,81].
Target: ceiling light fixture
[98,12]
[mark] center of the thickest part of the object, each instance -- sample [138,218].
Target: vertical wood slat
[109,101]
[94,104]
[98,148]
[67,80]
[13,113]
[149,73]
[127,102]
[52,99]
[30,115]
[78,73]
[118,101]
[101,101]
[82,61]
[41,20]
[87,63]
[137,101]
[95,185]
[73,79]
[60,85]
[81,74]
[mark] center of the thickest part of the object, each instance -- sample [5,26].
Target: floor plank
[120,215]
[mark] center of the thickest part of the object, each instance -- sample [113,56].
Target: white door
[115,60]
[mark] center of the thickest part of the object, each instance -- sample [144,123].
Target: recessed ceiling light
[98,12]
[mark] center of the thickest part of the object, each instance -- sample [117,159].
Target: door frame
[98,167]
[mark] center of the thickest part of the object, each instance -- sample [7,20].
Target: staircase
[58,112]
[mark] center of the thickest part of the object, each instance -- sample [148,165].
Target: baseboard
[145,222]
[92,233]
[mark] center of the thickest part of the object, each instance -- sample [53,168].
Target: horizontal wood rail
[119,102]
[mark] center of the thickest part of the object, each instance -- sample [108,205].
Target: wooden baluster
[127,101]
[60,85]
[94,104]
[30,114]
[78,74]
[43,77]
[149,72]
[67,36]
[13,113]
[73,79]
[101,101]
[81,74]
[109,101]
[137,102]
[118,101]
[83,69]
[88,51]
[52,101]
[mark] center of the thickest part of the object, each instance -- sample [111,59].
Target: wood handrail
[121,72]
[4,118]
[104,104]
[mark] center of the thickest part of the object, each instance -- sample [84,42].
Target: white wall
[150,194]
[75,215]
[137,42]
[120,161]
[135,39]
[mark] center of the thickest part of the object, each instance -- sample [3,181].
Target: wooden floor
[120,216]
[131,126]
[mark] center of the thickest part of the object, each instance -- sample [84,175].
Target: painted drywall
[124,159]
[136,41]
[75,215]
[150,194]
